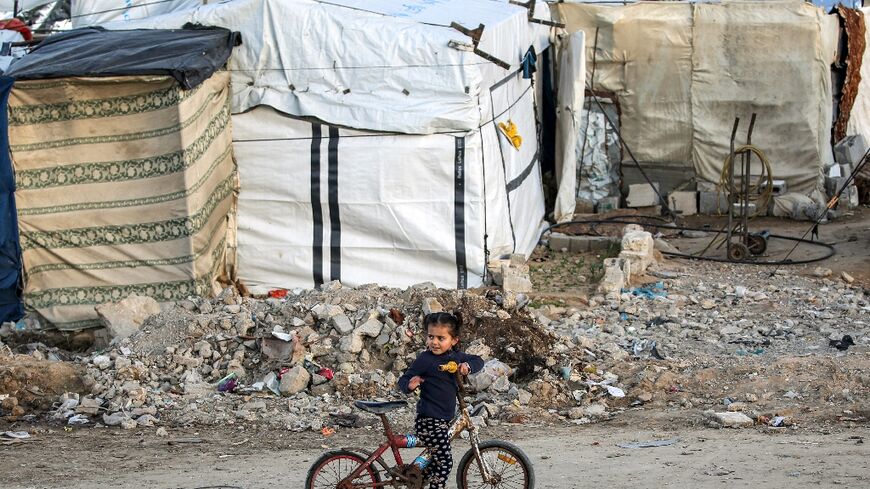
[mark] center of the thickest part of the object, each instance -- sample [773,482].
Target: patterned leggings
[433,433]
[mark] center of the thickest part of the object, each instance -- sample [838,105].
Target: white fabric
[23,5]
[362,69]
[91,12]
[396,203]
[571,68]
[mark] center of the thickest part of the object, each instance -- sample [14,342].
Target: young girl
[437,405]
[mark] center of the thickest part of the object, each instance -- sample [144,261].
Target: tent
[368,141]
[679,73]
[121,146]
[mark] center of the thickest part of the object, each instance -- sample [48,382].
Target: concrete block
[738,208]
[850,150]
[616,273]
[712,203]
[833,185]
[642,195]
[637,250]
[779,187]
[683,202]
[559,242]
[601,243]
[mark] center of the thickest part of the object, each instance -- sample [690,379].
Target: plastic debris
[842,344]
[613,391]
[228,383]
[648,291]
[646,348]
[16,435]
[78,419]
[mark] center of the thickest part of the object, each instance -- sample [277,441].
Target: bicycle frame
[461,423]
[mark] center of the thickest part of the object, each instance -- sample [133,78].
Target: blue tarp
[11,307]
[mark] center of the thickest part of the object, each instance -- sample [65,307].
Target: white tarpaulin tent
[424,186]
[681,72]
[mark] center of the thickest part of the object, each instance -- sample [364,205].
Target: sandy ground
[563,457]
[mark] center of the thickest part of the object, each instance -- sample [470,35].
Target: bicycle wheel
[335,465]
[509,466]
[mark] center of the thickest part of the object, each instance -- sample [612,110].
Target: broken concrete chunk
[371,328]
[733,419]
[642,195]
[431,305]
[294,380]
[342,324]
[125,317]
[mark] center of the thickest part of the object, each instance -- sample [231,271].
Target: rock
[576,413]
[146,420]
[595,410]
[161,432]
[524,396]
[203,348]
[733,419]
[233,308]
[664,246]
[736,407]
[342,324]
[128,424]
[847,278]
[371,328]
[294,380]
[512,282]
[124,318]
[431,305]
[318,379]
[89,406]
[102,362]
[351,344]
[637,248]
[114,419]
[822,272]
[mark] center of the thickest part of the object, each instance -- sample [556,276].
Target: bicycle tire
[336,457]
[490,450]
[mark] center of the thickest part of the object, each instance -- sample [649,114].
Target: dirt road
[564,457]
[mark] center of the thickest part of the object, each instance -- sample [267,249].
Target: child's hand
[415,382]
[464,368]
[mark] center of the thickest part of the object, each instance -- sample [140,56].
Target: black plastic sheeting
[190,55]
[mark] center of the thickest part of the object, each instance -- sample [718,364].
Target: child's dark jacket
[438,390]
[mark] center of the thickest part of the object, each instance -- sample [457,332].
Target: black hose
[830,249]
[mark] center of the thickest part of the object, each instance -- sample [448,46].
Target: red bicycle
[487,464]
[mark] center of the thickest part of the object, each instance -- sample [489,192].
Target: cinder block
[602,243]
[712,203]
[559,242]
[850,150]
[642,195]
[738,207]
[833,185]
[683,202]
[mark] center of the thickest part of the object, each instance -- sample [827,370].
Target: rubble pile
[298,359]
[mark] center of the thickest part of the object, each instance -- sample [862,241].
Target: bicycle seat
[375,407]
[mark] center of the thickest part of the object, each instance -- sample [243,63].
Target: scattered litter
[228,383]
[613,391]
[17,435]
[842,344]
[646,349]
[327,431]
[649,444]
[648,291]
[78,419]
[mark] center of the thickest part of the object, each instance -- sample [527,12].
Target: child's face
[440,339]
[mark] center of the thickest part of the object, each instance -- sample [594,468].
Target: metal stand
[747,243]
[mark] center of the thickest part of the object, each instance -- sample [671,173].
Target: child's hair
[446,319]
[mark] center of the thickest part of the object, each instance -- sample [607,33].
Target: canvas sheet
[779,68]
[366,69]
[680,78]
[124,186]
[321,203]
